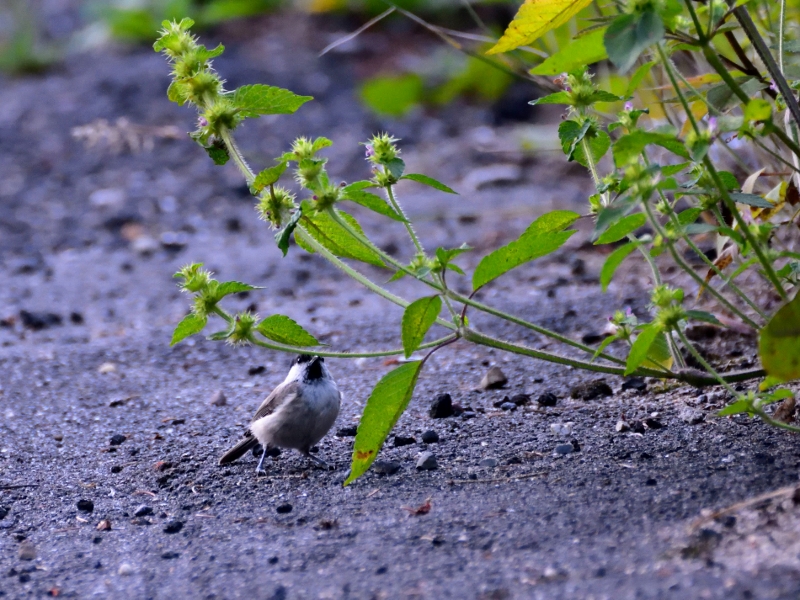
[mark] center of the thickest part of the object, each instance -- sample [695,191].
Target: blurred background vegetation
[38,34]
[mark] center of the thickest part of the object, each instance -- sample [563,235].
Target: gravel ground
[109,439]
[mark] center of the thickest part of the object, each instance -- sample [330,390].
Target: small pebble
[488,463]
[441,407]
[428,437]
[494,379]
[104,525]
[218,398]
[691,416]
[591,390]
[427,461]
[508,406]
[284,509]
[170,555]
[4,510]
[562,428]
[116,469]
[347,432]
[547,399]
[653,423]
[469,414]
[400,441]
[117,439]
[143,511]
[27,551]
[58,437]
[386,467]
[622,426]
[85,505]
[125,569]
[106,367]
[520,399]
[563,449]
[173,526]
[634,383]
[592,338]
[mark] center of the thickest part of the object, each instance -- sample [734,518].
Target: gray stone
[27,551]
[218,398]
[430,437]
[591,390]
[563,449]
[691,416]
[441,407]
[508,406]
[143,511]
[386,467]
[489,463]
[427,461]
[494,379]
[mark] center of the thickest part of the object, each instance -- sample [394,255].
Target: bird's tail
[238,450]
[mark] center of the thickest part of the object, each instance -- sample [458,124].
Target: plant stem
[587,152]
[238,158]
[305,350]
[723,190]
[363,280]
[541,330]
[704,362]
[411,233]
[485,340]
[781,34]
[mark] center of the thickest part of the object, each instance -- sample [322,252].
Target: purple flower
[202,122]
[370,151]
[629,106]
[712,124]
[773,86]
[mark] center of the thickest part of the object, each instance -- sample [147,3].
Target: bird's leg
[259,470]
[317,461]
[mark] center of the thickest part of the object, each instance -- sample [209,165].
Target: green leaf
[430,181]
[752,200]
[630,146]
[641,347]
[385,405]
[233,287]
[629,35]
[372,202]
[259,99]
[603,96]
[535,18]
[638,76]
[219,335]
[621,228]
[598,142]
[701,315]
[613,261]
[556,98]
[543,236]
[284,330]
[738,407]
[396,167]
[326,231]
[584,50]
[779,343]
[282,237]
[603,345]
[190,325]
[267,177]
[320,143]
[218,153]
[668,170]
[570,134]
[417,320]
[689,216]
[392,96]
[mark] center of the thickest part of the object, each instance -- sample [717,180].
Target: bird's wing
[281,395]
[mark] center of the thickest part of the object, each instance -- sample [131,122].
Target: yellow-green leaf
[779,343]
[385,405]
[417,319]
[585,50]
[535,18]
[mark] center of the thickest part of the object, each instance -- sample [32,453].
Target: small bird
[297,414]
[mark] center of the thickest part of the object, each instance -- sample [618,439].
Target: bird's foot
[319,462]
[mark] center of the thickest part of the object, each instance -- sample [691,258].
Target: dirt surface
[97,407]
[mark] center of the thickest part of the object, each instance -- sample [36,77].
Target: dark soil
[109,438]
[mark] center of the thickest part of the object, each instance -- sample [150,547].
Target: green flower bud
[309,171]
[276,206]
[204,89]
[382,149]
[303,148]
[244,325]
[195,278]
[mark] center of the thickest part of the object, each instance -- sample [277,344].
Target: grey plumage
[297,414]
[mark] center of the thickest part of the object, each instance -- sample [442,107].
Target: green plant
[637,189]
